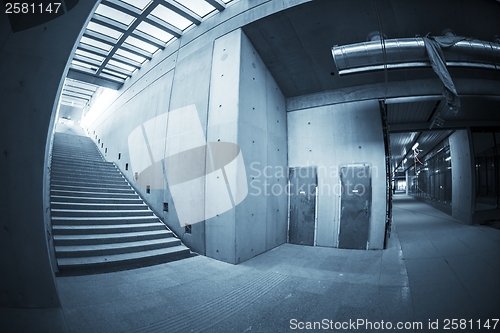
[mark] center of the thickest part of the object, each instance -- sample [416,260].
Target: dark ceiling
[295,45]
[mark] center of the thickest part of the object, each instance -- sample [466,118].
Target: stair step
[91,171]
[76,152]
[99,213]
[79,251]
[91,200]
[105,229]
[84,156]
[103,195]
[70,171]
[96,239]
[91,189]
[85,165]
[118,260]
[97,206]
[80,162]
[99,222]
[107,220]
[104,181]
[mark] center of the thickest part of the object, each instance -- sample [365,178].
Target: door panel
[355,206]
[303,183]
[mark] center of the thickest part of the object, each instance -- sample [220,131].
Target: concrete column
[34,64]
[247,108]
[462,200]
[407,182]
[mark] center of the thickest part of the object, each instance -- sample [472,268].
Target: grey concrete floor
[433,269]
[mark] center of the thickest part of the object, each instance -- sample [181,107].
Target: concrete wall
[248,108]
[462,199]
[334,135]
[181,74]
[235,100]
[34,62]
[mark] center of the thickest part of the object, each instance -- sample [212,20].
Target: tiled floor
[434,268]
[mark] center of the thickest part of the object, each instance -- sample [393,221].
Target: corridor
[433,268]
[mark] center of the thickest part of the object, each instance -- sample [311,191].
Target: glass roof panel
[200,7]
[95,43]
[121,65]
[140,44]
[115,14]
[129,55]
[104,30]
[154,31]
[89,55]
[171,17]
[82,64]
[141,4]
[123,76]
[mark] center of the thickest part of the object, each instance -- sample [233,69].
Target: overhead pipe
[405,53]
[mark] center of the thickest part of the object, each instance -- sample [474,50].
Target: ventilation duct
[405,53]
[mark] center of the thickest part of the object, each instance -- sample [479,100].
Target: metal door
[302,194]
[355,206]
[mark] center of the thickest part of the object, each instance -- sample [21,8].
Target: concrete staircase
[99,222]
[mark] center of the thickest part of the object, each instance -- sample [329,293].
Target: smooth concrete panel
[462,201]
[191,86]
[261,219]
[277,160]
[34,63]
[335,135]
[251,215]
[192,81]
[223,127]
[247,107]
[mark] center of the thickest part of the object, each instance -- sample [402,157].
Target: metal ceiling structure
[296,47]
[77,94]
[123,34]
[411,123]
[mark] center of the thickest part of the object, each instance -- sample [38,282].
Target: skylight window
[89,55]
[154,31]
[140,44]
[200,7]
[82,64]
[171,17]
[104,30]
[121,65]
[131,56]
[89,41]
[123,76]
[106,58]
[115,14]
[141,4]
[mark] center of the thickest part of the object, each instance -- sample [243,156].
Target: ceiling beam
[122,7]
[448,125]
[128,33]
[218,4]
[165,26]
[182,11]
[94,79]
[109,23]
